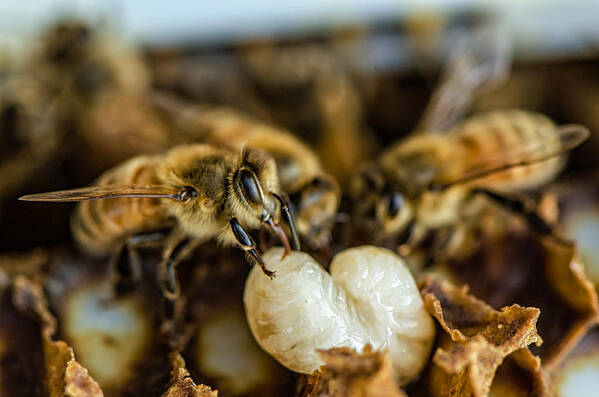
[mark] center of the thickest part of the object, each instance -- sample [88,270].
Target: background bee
[97,88]
[199,191]
[426,181]
[314,194]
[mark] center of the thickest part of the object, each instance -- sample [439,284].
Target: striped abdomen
[502,137]
[99,226]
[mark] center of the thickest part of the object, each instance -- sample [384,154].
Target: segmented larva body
[98,225]
[369,297]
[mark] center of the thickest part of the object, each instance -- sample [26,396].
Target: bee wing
[104,192]
[480,61]
[569,136]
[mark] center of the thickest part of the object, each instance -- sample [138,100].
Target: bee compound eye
[395,204]
[187,193]
[249,186]
[319,182]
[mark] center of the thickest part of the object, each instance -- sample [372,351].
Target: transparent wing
[105,192]
[569,137]
[480,61]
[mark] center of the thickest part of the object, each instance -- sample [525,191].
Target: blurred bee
[198,192]
[314,195]
[102,87]
[97,89]
[29,137]
[427,181]
[71,56]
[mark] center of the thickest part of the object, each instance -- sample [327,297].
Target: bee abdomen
[99,226]
[509,136]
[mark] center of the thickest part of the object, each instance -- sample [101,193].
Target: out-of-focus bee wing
[480,61]
[104,192]
[569,136]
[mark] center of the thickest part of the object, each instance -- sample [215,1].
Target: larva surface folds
[369,297]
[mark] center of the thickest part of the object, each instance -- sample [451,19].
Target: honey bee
[313,194]
[198,191]
[98,87]
[426,181]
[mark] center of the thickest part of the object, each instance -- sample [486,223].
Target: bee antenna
[289,217]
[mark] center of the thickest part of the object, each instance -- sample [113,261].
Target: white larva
[369,297]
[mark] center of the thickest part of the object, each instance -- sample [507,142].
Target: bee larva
[369,297]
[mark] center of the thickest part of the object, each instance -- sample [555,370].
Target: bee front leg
[247,243]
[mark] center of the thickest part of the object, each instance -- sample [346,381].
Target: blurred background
[361,70]
[540,28]
[82,88]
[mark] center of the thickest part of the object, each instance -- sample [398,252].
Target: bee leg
[178,247]
[126,264]
[451,242]
[525,208]
[247,243]
[409,240]
[126,270]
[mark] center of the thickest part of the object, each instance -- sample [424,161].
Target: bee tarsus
[520,206]
[247,243]
[125,265]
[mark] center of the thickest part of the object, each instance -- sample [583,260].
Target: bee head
[380,208]
[316,203]
[253,196]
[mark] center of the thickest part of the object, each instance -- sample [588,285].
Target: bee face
[380,208]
